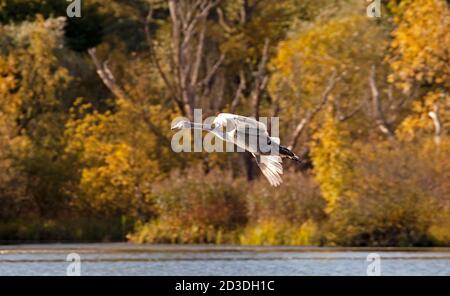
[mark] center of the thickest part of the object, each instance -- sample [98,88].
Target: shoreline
[123,247]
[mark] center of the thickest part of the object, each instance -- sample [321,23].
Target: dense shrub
[194,208]
[282,233]
[287,215]
[383,205]
[80,229]
[297,200]
[399,195]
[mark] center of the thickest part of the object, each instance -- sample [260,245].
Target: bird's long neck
[200,126]
[207,127]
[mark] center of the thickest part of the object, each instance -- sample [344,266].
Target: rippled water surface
[128,259]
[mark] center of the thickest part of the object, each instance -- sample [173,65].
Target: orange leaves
[419,121]
[421,57]
[332,159]
[348,45]
[420,43]
[8,82]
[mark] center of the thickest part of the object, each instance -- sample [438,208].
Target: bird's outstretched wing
[251,135]
[245,132]
[242,124]
[271,168]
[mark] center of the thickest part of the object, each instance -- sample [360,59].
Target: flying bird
[250,135]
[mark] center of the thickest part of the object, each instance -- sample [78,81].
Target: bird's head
[182,124]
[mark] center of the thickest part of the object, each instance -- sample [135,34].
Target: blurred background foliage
[86,105]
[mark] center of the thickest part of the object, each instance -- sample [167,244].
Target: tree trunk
[250,166]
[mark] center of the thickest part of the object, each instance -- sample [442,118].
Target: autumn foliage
[86,106]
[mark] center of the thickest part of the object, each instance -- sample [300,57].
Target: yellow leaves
[400,187]
[7,66]
[7,84]
[281,233]
[115,168]
[423,30]
[32,80]
[111,181]
[301,70]
[420,56]
[103,163]
[420,121]
[332,160]
[305,62]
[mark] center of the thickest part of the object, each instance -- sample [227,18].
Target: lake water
[130,259]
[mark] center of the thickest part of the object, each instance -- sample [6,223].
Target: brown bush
[400,191]
[295,201]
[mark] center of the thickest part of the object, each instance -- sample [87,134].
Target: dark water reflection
[127,259]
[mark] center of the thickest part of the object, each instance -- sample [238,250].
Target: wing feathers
[271,168]
[239,129]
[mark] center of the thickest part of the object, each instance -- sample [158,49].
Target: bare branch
[261,79]
[376,105]
[106,76]
[344,117]
[198,58]
[238,94]
[244,11]
[276,111]
[434,115]
[213,70]
[176,45]
[208,7]
[218,104]
[310,116]
[222,21]
[189,25]
[169,85]
[109,81]
[298,131]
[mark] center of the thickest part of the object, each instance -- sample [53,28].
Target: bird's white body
[249,135]
[239,130]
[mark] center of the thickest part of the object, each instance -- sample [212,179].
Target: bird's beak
[181,126]
[208,127]
[175,127]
